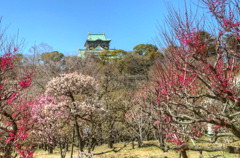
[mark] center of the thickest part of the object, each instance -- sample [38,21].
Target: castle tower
[95,44]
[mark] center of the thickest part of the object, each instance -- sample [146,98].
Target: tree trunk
[140,143]
[66,146]
[80,140]
[45,147]
[183,154]
[73,137]
[63,154]
[50,149]
[8,151]
[92,144]
[133,147]
[40,146]
[162,142]
[200,154]
[60,146]
[235,130]
[110,141]
[99,134]
[9,148]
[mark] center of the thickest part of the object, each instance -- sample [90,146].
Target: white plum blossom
[72,84]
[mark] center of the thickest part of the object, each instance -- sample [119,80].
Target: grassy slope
[128,152]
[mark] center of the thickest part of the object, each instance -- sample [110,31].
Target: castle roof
[95,37]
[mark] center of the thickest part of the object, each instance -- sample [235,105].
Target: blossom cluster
[73,83]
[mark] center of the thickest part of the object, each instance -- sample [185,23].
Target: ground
[149,151]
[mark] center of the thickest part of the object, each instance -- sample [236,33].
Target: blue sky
[64,24]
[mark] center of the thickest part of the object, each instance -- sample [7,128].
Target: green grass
[149,151]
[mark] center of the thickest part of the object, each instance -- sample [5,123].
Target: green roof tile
[94,37]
